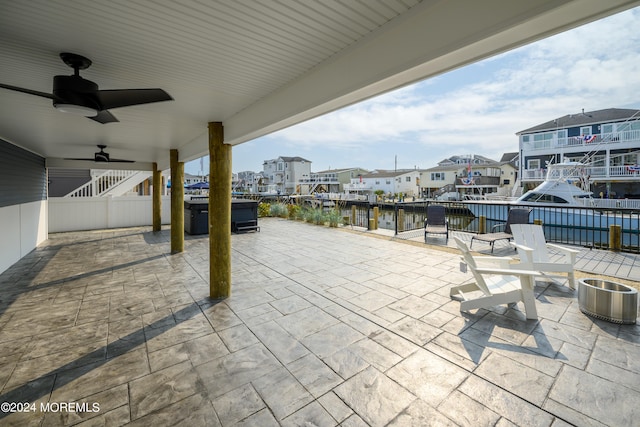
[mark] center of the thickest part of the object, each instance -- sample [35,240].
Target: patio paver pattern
[324,327]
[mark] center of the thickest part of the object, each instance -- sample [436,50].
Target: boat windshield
[542,198]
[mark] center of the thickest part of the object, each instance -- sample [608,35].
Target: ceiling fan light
[79,110]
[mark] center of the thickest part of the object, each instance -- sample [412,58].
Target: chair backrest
[531,236]
[436,215]
[516,216]
[471,263]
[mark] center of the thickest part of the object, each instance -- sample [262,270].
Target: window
[542,140]
[437,176]
[562,137]
[408,179]
[388,182]
[533,164]
[543,198]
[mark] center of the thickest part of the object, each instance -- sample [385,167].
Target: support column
[177,203]
[156,198]
[219,213]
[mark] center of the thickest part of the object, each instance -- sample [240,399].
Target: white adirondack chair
[533,251]
[501,285]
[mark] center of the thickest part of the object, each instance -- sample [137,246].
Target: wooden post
[482,224]
[615,237]
[353,215]
[376,214]
[177,203]
[400,220]
[219,213]
[156,198]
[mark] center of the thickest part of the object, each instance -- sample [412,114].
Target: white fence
[95,213]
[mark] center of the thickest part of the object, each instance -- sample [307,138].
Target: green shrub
[319,217]
[264,209]
[334,217]
[307,214]
[294,211]
[279,210]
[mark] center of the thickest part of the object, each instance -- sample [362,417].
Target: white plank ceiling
[255,65]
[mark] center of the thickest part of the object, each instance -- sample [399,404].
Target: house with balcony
[606,141]
[246,182]
[402,181]
[330,180]
[452,176]
[282,175]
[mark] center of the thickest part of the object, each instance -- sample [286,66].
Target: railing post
[482,224]
[376,213]
[615,237]
[400,221]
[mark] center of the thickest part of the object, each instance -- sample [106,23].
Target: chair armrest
[503,262]
[569,254]
[563,249]
[508,271]
[525,252]
[498,226]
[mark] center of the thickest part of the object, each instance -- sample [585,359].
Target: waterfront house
[284,173]
[606,141]
[452,176]
[330,180]
[391,183]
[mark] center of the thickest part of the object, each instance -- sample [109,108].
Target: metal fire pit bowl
[606,300]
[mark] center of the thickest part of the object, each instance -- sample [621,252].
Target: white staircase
[517,189]
[110,182]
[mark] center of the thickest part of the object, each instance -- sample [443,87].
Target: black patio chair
[436,222]
[515,216]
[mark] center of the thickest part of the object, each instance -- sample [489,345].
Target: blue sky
[472,110]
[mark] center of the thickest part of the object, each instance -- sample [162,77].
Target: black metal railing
[589,227]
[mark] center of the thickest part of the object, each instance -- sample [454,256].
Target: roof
[255,66]
[341,170]
[509,157]
[388,174]
[454,160]
[294,159]
[585,118]
[287,159]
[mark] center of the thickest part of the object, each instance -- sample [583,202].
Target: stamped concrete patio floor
[324,327]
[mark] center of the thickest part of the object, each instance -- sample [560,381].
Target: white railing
[628,136]
[101,183]
[612,203]
[358,187]
[593,172]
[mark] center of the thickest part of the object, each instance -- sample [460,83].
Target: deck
[325,326]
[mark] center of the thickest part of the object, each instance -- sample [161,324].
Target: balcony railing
[630,136]
[358,187]
[630,172]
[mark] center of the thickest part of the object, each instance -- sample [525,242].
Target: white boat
[568,211]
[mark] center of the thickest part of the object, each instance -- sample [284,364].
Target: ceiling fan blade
[125,97]
[104,117]
[87,159]
[29,91]
[121,161]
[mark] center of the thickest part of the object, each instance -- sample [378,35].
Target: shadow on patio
[323,326]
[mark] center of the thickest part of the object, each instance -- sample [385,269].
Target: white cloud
[593,67]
